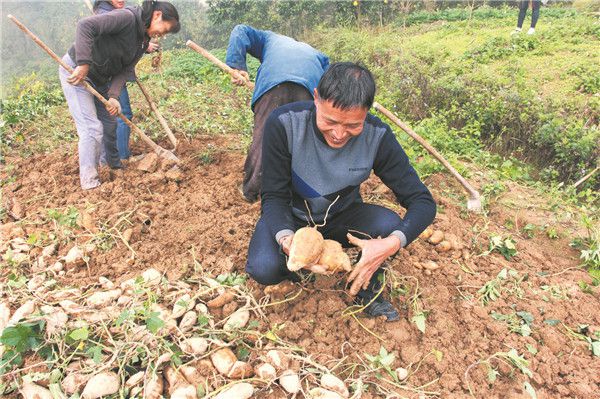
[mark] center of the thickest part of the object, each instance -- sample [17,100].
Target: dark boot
[378,306]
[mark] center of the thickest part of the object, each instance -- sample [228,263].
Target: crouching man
[316,154]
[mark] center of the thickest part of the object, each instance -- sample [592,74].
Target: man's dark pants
[279,95]
[267,264]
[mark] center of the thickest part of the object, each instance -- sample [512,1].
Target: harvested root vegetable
[290,381]
[186,392]
[430,265]
[436,237]
[86,221]
[228,309]
[50,249]
[127,235]
[221,300]
[175,379]
[237,320]
[4,315]
[277,359]
[135,379]
[71,307]
[34,391]
[426,233]
[266,372]
[334,258]
[332,383]
[193,376]
[182,305]
[36,282]
[455,242]
[23,311]
[306,248]
[188,321]
[165,357]
[223,360]
[240,370]
[402,373]
[74,382]
[322,393]
[75,257]
[241,390]
[165,316]
[56,320]
[195,345]
[103,299]
[154,386]
[124,300]
[106,283]
[103,384]
[444,246]
[281,289]
[151,277]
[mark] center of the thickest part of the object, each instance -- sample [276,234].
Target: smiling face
[338,125]
[159,27]
[118,3]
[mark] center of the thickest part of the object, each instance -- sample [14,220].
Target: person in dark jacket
[289,72]
[107,47]
[315,157]
[123,130]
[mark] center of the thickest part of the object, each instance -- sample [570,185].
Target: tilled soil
[197,222]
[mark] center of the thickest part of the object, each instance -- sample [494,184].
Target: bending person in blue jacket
[316,154]
[289,72]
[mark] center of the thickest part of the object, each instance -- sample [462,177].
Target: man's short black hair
[347,85]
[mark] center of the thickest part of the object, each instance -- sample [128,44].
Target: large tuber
[306,248]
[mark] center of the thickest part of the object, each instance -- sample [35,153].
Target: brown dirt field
[201,223]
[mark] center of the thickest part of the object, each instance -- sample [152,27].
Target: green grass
[532,97]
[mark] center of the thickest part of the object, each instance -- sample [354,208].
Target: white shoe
[515,32]
[531,31]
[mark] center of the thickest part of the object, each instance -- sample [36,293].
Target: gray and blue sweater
[299,166]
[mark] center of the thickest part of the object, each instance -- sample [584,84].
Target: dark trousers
[279,95]
[523,6]
[267,263]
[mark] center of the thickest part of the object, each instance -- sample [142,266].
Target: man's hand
[78,74]
[113,106]
[286,243]
[374,252]
[152,47]
[241,79]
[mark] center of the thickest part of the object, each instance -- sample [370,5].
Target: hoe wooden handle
[159,116]
[474,202]
[219,63]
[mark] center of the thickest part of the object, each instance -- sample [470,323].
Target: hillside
[511,312]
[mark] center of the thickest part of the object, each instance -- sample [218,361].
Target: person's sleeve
[244,40]
[118,82]
[276,179]
[394,169]
[91,27]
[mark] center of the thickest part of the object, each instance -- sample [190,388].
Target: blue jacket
[282,59]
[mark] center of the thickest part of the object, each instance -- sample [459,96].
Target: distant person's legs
[535,4]
[523,5]
[279,95]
